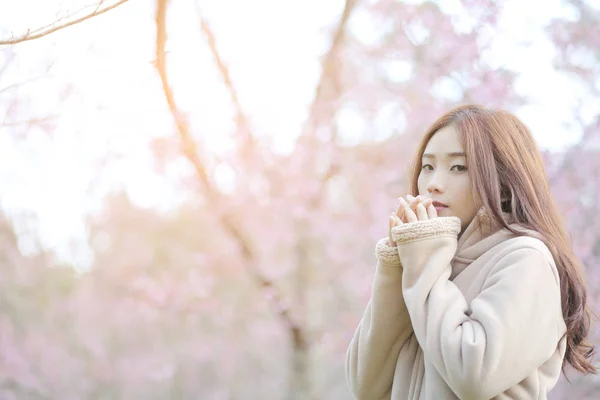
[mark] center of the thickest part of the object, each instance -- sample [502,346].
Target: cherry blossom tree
[574,174]
[252,286]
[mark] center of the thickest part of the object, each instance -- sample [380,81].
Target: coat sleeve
[385,327]
[510,329]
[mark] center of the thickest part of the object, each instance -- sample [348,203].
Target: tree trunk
[300,385]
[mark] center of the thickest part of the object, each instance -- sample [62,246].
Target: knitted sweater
[474,318]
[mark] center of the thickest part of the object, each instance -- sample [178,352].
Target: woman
[477,293]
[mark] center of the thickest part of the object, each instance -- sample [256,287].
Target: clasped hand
[411,209]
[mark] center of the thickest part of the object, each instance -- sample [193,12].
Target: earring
[483,215]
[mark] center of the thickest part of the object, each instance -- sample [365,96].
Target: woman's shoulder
[530,243]
[533,243]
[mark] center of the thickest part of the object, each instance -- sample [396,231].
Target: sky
[57,179]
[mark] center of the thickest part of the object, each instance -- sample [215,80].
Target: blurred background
[191,191]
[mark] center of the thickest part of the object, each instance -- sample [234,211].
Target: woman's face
[444,177]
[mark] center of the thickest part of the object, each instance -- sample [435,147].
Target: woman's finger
[400,209]
[421,212]
[431,211]
[409,214]
[413,203]
[391,225]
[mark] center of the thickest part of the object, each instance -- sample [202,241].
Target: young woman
[477,293]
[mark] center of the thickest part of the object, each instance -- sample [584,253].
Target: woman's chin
[443,211]
[446,212]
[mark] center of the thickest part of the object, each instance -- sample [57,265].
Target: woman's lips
[439,206]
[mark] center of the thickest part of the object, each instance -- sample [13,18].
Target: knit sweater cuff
[387,254]
[435,227]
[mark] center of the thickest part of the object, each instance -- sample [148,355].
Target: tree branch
[328,86]
[328,90]
[48,29]
[29,122]
[16,85]
[191,152]
[188,145]
[241,119]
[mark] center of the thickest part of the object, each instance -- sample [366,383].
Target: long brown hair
[508,176]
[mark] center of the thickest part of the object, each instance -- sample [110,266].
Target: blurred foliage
[173,308]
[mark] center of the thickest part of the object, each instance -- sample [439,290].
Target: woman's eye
[427,167]
[458,168]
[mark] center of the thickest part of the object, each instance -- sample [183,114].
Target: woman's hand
[411,209]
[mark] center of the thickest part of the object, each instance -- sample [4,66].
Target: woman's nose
[435,185]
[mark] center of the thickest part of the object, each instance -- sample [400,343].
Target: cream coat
[475,318]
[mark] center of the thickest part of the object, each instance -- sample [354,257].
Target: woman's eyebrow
[448,155]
